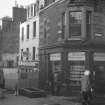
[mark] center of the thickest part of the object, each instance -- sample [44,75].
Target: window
[34,29]
[45,29]
[22,34]
[10,64]
[27,50]
[21,54]
[28,13]
[88,23]
[33,53]
[28,31]
[75,18]
[63,24]
[32,10]
[76,71]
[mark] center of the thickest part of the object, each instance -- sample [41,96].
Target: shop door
[54,73]
[99,78]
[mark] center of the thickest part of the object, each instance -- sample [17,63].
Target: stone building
[9,45]
[28,51]
[71,40]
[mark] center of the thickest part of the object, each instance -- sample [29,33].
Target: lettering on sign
[55,57]
[76,56]
[99,57]
[25,63]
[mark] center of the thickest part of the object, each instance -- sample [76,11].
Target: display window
[76,61]
[76,70]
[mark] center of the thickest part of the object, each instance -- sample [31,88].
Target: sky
[6,6]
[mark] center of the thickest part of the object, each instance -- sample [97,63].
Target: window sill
[75,38]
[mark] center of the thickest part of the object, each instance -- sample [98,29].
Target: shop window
[75,19]
[76,71]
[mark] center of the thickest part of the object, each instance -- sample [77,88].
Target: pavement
[11,99]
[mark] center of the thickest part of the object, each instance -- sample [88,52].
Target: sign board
[99,56]
[55,57]
[76,56]
[28,63]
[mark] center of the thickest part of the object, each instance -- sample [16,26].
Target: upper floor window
[31,10]
[75,19]
[88,23]
[45,29]
[21,54]
[27,55]
[34,29]
[28,31]
[33,53]
[28,12]
[34,10]
[22,34]
[63,24]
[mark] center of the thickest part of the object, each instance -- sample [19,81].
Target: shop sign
[55,57]
[28,63]
[76,56]
[99,57]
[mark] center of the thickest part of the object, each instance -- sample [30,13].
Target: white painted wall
[32,42]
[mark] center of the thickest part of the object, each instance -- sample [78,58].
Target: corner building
[72,39]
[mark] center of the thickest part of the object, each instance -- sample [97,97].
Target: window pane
[88,23]
[34,29]
[33,53]
[27,31]
[22,33]
[75,23]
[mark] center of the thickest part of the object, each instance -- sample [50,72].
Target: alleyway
[50,100]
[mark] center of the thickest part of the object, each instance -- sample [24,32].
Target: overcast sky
[6,6]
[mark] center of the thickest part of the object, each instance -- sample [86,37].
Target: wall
[32,41]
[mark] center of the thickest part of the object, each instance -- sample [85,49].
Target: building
[71,40]
[28,51]
[9,46]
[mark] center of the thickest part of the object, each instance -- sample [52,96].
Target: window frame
[83,9]
[34,29]
[22,33]
[33,52]
[75,36]
[28,31]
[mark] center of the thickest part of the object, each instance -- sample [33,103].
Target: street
[11,99]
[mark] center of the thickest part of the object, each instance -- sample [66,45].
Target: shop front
[68,71]
[76,67]
[99,72]
[28,74]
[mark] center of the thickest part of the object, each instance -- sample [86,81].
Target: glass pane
[75,23]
